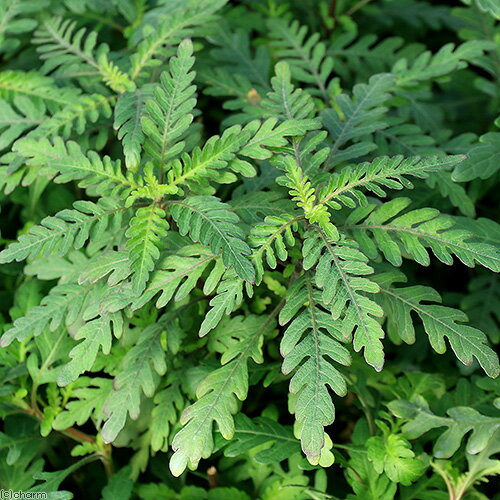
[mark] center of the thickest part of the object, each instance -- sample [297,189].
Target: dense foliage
[249,249]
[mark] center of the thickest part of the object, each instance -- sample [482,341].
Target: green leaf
[144,241]
[38,88]
[285,100]
[365,481]
[489,6]
[459,422]
[270,240]
[67,162]
[340,270]
[119,486]
[206,164]
[96,334]
[168,401]
[217,394]
[138,374]
[177,275]
[16,122]
[179,24]
[74,118]
[449,58]
[67,230]
[393,455]
[128,112]
[302,192]
[439,322]
[252,433]
[209,221]
[112,263]
[482,305]
[482,160]
[229,295]
[344,188]
[269,135]
[65,299]
[355,118]
[310,344]
[53,480]
[168,115]
[414,232]
[305,55]
[59,45]
[86,401]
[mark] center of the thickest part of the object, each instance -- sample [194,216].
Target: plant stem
[356,7]
[107,461]
[332,13]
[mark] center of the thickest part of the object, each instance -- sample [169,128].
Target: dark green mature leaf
[63,301]
[168,115]
[67,162]
[209,221]
[127,121]
[483,160]
[357,117]
[414,232]
[137,375]
[96,335]
[378,175]
[253,433]
[439,322]
[119,486]
[316,337]
[459,422]
[66,230]
[340,270]
[242,340]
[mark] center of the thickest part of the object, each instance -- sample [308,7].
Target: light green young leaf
[393,455]
[145,234]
